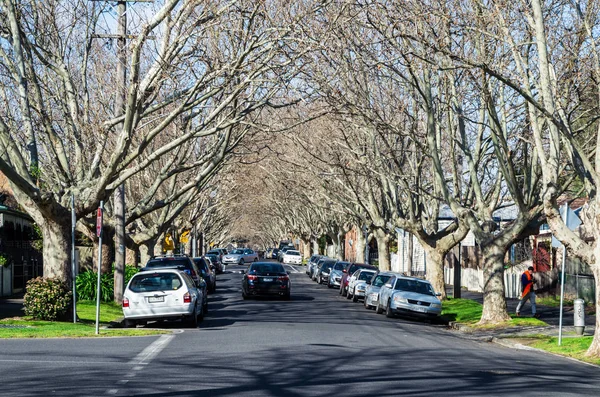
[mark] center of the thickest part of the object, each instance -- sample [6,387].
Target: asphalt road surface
[317,344]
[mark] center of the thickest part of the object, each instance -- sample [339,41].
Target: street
[317,344]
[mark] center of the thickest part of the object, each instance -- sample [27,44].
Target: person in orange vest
[528,293]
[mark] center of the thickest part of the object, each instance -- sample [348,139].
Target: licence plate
[420,309]
[268,280]
[154,299]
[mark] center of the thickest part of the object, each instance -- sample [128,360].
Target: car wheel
[241,261]
[320,280]
[287,297]
[388,310]
[329,285]
[354,297]
[129,324]
[378,309]
[205,307]
[244,296]
[193,319]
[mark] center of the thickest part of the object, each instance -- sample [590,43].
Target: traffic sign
[99,223]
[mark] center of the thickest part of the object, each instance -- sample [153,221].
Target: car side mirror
[438,294]
[368,282]
[388,285]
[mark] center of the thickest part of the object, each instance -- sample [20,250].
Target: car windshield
[295,253]
[266,268]
[327,265]
[237,252]
[155,282]
[380,280]
[339,266]
[366,276]
[417,286]
[213,252]
[213,258]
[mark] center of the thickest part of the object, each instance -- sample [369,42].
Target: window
[380,280]
[155,282]
[417,286]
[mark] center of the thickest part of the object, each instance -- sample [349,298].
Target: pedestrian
[528,293]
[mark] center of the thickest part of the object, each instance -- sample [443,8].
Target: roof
[6,210]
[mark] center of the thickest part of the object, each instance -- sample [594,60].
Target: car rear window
[155,282]
[339,266]
[266,268]
[201,265]
[237,252]
[295,253]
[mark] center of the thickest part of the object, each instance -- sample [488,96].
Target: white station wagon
[163,294]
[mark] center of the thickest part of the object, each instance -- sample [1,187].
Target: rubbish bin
[579,316]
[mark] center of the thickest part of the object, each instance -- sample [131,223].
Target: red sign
[99,223]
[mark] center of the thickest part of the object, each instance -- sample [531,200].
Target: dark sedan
[266,279]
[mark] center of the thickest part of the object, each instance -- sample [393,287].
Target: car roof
[163,269]
[388,273]
[414,278]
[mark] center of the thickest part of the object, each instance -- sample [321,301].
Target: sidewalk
[550,315]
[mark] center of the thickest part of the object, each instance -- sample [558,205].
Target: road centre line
[146,355]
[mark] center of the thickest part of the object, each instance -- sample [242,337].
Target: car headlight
[436,305]
[399,299]
[373,296]
[360,287]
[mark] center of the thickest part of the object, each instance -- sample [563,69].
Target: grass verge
[570,347]
[468,312]
[25,327]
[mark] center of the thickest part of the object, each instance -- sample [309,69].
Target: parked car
[292,257]
[282,252]
[311,262]
[163,294]
[220,252]
[373,287]
[322,276]
[335,277]
[348,271]
[266,278]
[183,262]
[207,273]
[358,283]
[214,259]
[409,296]
[240,256]
[317,266]
[273,253]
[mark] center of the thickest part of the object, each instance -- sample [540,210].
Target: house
[20,254]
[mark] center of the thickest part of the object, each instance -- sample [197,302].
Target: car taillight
[252,278]
[283,278]
[187,298]
[194,275]
[125,302]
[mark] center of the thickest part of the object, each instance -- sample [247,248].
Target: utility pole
[119,110]
[119,198]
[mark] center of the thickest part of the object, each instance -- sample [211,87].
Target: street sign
[169,244]
[99,223]
[185,237]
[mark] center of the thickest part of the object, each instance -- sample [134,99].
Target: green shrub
[47,299]
[86,284]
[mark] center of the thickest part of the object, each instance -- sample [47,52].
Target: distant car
[311,262]
[322,276]
[358,283]
[409,296]
[373,287]
[207,273]
[219,268]
[240,256]
[220,252]
[335,277]
[317,266]
[266,278]
[273,253]
[348,271]
[163,294]
[292,257]
[181,261]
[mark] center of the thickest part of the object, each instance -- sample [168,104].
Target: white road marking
[152,350]
[112,391]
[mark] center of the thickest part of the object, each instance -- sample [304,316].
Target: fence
[25,264]
[472,280]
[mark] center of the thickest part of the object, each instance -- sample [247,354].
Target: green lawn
[468,312]
[85,327]
[571,347]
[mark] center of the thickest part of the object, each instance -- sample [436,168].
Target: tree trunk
[146,251]
[305,242]
[435,270]
[108,253]
[339,248]
[315,245]
[359,245]
[57,249]
[494,301]
[383,248]
[594,349]
[409,253]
